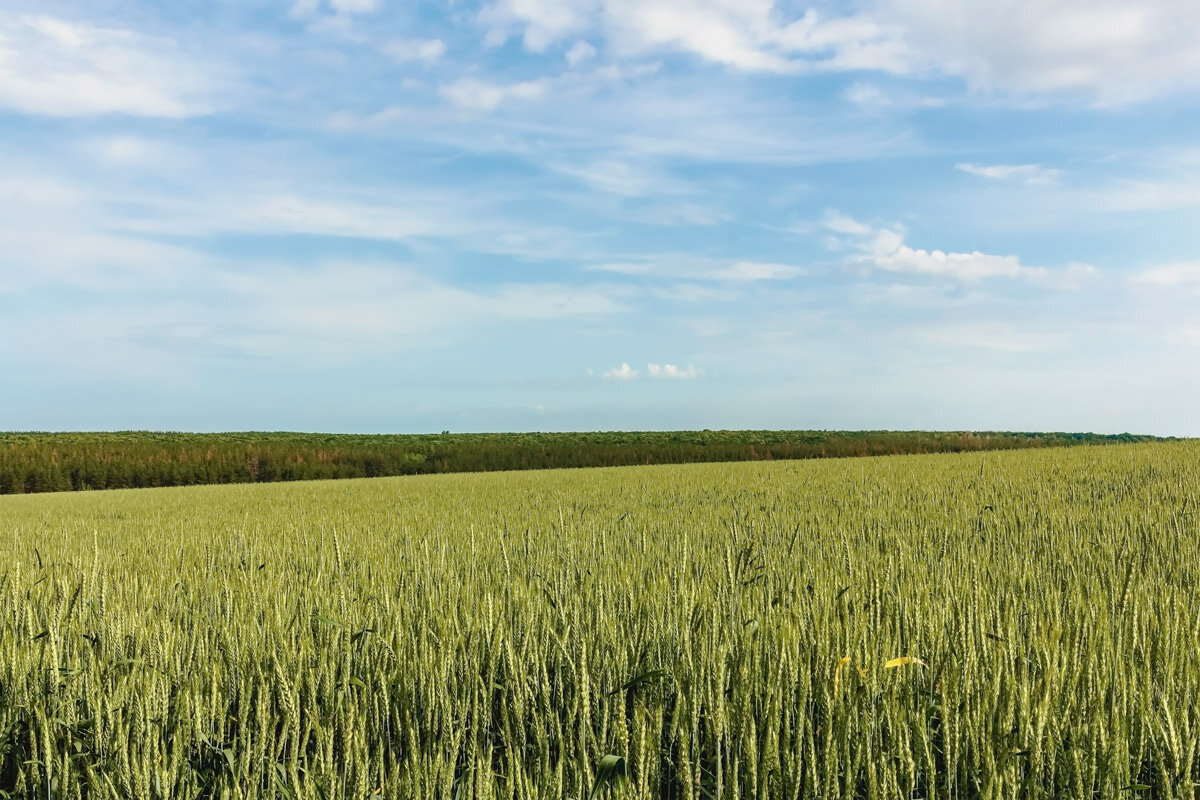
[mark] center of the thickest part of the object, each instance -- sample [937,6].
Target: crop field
[978,625]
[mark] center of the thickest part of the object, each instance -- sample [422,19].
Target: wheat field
[987,625]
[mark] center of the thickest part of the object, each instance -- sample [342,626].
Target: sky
[385,216]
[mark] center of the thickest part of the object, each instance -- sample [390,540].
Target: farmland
[973,625]
[56,462]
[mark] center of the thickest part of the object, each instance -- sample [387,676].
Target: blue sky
[368,215]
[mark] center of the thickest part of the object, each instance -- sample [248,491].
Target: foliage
[41,462]
[1000,625]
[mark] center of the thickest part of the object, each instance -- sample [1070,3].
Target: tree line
[50,462]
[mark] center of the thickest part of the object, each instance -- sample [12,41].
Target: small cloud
[870,97]
[477,95]
[840,223]
[866,95]
[621,373]
[349,121]
[355,6]
[672,372]
[1034,174]
[1185,273]
[680,267]
[623,268]
[758,271]
[884,249]
[307,8]
[615,177]
[303,8]
[581,51]
[424,50]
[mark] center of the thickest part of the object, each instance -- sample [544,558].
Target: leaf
[644,678]
[612,770]
[902,660]
[1135,787]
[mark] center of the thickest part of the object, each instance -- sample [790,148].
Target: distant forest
[52,462]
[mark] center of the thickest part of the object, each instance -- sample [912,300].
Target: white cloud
[1028,173]
[355,6]
[745,34]
[672,372]
[1166,193]
[619,177]
[306,8]
[758,271]
[893,256]
[580,52]
[1105,51]
[869,96]
[544,21]
[621,373]
[477,95]
[692,268]
[55,67]
[303,8]
[296,214]
[840,223]
[425,50]
[1185,273]
[997,337]
[884,249]
[623,267]
[1110,51]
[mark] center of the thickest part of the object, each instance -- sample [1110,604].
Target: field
[59,462]
[978,625]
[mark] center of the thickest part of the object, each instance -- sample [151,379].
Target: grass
[999,625]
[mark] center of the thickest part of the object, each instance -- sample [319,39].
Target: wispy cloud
[1186,273]
[59,67]
[752,36]
[758,271]
[479,95]
[424,50]
[1115,52]
[840,223]
[997,337]
[1108,52]
[677,267]
[1026,173]
[303,8]
[620,177]
[580,52]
